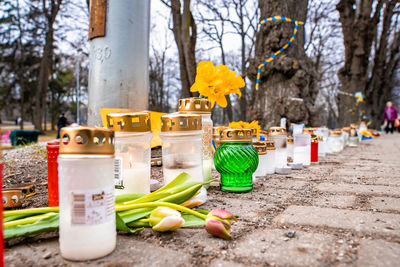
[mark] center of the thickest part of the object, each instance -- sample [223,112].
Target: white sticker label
[92,207]
[118,181]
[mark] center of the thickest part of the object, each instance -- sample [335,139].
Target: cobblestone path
[344,211]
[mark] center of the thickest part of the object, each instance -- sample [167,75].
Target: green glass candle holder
[236,160]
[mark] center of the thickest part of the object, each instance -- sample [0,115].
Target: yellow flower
[246,125]
[216,82]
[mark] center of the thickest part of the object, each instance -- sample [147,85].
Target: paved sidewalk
[344,211]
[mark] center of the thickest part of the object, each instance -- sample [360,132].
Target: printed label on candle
[92,207]
[119,183]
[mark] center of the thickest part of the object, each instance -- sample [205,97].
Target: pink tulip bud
[218,223]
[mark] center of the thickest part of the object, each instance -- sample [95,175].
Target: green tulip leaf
[44,225]
[121,225]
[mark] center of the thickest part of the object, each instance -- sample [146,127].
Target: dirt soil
[258,238]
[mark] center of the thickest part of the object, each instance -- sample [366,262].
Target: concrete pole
[119,60]
[78,92]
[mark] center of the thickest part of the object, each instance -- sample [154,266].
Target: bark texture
[371,56]
[185,34]
[50,11]
[287,85]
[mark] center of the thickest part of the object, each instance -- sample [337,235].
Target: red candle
[52,172]
[1,215]
[314,150]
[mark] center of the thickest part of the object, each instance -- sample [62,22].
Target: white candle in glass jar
[207,169]
[87,225]
[302,154]
[135,179]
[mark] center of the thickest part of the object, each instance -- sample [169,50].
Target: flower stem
[28,220]
[161,204]
[30,211]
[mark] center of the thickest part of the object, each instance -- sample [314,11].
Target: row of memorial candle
[186,145]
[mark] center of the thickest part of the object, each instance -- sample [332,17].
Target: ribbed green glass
[236,162]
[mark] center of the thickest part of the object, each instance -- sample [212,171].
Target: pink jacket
[390,114]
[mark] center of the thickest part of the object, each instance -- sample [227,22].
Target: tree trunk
[45,63]
[185,33]
[359,28]
[287,85]
[380,85]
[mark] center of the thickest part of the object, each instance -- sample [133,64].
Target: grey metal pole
[78,91]
[118,56]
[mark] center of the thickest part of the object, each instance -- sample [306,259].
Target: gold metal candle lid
[277,131]
[87,141]
[180,122]
[354,125]
[261,147]
[270,144]
[335,133]
[129,121]
[290,140]
[235,135]
[308,131]
[194,104]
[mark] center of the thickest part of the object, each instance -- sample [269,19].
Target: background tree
[185,33]
[222,19]
[287,85]
[371,40]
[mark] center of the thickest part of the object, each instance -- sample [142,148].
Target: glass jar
[236,160]
[270,165]
[314,148]
[254,135]
[202,107]
[182,147]
[353,139]
[335,141]
[289,149]
[346,135]
[323,134]
[52,173]
[279,136]
[302,149]
[86,193]
[132,151]
[261,148]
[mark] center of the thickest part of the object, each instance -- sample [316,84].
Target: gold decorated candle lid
[194,104]
[314,139]
[235,135]
[177,122]
[308,131]
[290,140]
[122,121]
[270,144]
[86,141]
[335,133]
[277,131]
[261,147]
[354,125]
[218,129]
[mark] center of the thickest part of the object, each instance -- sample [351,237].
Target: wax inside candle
[135,180]
[270,162]
[280,158]
[302,154]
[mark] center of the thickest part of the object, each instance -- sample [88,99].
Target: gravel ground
[261,237]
